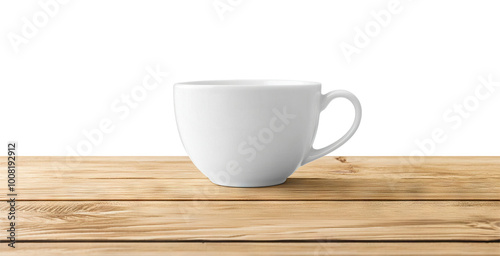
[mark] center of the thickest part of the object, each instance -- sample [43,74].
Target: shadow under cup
[248,133]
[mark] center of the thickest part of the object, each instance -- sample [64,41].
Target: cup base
[250,184]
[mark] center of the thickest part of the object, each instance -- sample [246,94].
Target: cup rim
[250,83]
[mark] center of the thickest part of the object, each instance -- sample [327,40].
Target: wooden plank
[329,178]
[230,249]
[257,220]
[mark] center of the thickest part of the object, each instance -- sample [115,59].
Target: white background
[64,79]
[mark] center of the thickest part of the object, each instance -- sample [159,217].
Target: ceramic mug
[253,133]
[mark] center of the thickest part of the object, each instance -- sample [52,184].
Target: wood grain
[329,178]
[258,221]
[243,249]
[333,206]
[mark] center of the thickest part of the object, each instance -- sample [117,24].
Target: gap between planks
[265,248]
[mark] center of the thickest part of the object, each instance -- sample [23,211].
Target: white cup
[253,133]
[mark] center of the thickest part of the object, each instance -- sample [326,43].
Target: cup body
[247,133]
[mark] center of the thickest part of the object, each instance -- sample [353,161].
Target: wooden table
[333,206]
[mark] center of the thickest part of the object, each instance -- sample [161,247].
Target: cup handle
[313,153]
